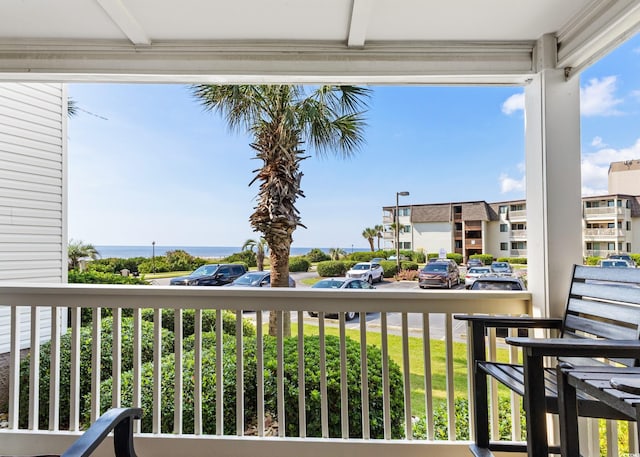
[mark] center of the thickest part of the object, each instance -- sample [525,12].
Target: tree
[379,233]
[280,119]
[72,107]
[78,250]
[336,253]
[369,234]
[261,248]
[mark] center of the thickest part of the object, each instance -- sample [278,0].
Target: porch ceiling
[375,41]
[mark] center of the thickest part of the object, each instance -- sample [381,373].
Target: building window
[457,209]
[503,209]
[458,244]
[518,207]
[519,226]
[589,246]
[620,246]
[504,246]
[611,246]
[458,225]
[504,228]
[405,211]
[628,227]
[519,245]
[405,245]
[406,229]
[628,247]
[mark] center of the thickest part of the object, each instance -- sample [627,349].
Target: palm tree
[379,233]
[78,250]
[261,247]
[72,107]
[369,234]
[281,118]
[336,253]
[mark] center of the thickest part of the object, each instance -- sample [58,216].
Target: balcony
[519,215]
[518,235]
[603,212]
[414,321]
[603,233]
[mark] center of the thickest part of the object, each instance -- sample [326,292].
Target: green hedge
[208,321]
[299,263]
[457,258]
[312,388]
[408,265]
[331,268]
[513,260]
[486,258]
[390,268]
[97,277]
[317,255]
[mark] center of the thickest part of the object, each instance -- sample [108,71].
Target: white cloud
[508,184]
[597,142]
[513,104]
[597,98]
[595,167]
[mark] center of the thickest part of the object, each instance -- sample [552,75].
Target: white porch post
[554,215]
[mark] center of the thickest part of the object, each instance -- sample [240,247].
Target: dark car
[627,257]
[495,282]
[341,283]
[501,268]
[217,274]
[475,263]
[439,274]
[256,279]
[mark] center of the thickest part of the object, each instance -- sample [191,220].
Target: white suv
[368,271]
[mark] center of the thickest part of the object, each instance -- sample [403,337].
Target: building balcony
[604,212]
[518,253]
[599,252]
[603,233]
[185,407]
[518,235]
[520,215]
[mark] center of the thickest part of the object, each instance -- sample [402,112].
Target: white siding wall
[32,191]
[493,237]
[432,236]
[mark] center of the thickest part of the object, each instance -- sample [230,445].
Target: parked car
[256,279]
[377,259]
[614,263]
[217,274]
[474,273]
[402,257]
[501,268]
[475,263]
[626,257]
[439,274]
[341,283]
[369,271]
[495,282]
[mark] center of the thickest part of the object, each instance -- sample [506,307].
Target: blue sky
[146,163]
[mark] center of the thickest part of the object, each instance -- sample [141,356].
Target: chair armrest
[573,347]
[511,321]
[120,420]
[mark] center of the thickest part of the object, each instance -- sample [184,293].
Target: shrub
[86,339]
[348,264]
[457,258]
[389,267]
[364,256]
[592,260]
[97,277]
[157,265]
[317,255]
[432,255]
[208,321]
[331,268]
[299,263]
[408,275]
[408,265]
[248,258]
[419,257]
[635,258]
[312,388]
[486,258]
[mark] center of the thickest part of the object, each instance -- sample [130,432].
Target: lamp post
[404,194]
[153,256]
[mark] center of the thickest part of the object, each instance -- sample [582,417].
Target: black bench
[601,321]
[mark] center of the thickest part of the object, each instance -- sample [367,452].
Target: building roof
[443,212]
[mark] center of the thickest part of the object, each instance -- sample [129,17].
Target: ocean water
[125,252]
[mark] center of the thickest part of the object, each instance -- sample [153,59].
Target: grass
[416,362]
[166,274]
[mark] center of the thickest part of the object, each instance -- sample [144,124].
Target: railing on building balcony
[518,215]
[518,253]
[518,234]
[604,211]
[603,233]
[152,346]
[599,252]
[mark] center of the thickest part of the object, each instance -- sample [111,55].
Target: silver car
[367,271]
[474,273]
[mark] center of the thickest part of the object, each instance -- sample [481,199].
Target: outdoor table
[617,387]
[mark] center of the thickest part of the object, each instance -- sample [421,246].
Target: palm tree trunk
[279,256]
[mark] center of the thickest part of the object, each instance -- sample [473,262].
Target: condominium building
[610,223]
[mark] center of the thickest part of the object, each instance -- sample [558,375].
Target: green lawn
[416,362]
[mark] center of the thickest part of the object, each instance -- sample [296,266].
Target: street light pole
[153,256]
[404,194]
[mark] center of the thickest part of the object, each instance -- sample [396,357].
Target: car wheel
[370,279]
[350,315]
[312,314]
[449,284]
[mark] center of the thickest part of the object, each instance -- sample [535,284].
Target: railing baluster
[364,377]
[386,390]
[239,376]
[178,381]
[197,371]
[451,394]
[14,368]
[428,391]
[116,357]
[54,370]
[280,374]
[96,358]
[406,372]
[157,371]
[260,371]
[302,414]
[74,381]
[516,429]
[219,376]
[137,363]
[493,388]
[34,370]
[324,405]
[344,386]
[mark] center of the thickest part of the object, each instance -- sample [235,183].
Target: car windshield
[361,266]
[205,270]
[615,264]
[328,284]
[480,270]
[496,285]
[248,279]
[437,267]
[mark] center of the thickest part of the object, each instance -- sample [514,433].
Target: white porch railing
[423,317]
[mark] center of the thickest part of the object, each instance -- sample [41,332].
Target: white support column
[554,213]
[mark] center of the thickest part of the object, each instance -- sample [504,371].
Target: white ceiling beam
[259,62]
[360,16]
[125,21]
[597,32]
